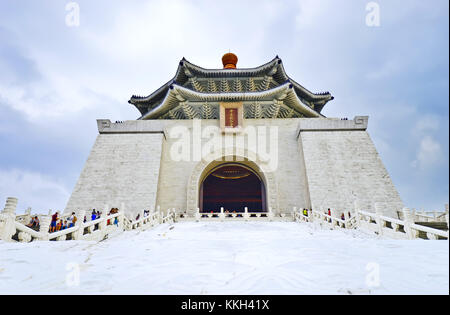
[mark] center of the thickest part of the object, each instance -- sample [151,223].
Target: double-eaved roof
[266,91]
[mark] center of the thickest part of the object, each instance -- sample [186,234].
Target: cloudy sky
[56,79]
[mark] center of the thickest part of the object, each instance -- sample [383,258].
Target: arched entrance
[232,186]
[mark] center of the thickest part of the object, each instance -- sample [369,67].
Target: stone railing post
[246,215]
[27,218]
[408,220]
[333,216]
[44,226]
[78,235]
[378,214]
[102,226]
[121,220]
[270,214]
[160,216]
[222,214]
[7,220]
[197,215]
[175,214]
[346,220]
[356,213]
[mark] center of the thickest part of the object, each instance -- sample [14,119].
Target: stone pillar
[8,220]
[78,235]
[408,220]
[27,218]
[121,220]
[356,213]
[197,215]
[246,215]
[222,214]
[270,215]
[346,220]
[160,216]
[378,214]
[102,226]
[45,221]
[334,215]
[10,206]
[174,212]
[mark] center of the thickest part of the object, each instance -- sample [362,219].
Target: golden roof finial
[229,61]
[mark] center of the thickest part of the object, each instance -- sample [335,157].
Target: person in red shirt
[53,223]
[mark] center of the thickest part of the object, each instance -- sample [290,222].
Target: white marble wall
[320,163]
[122,171]
[344,165]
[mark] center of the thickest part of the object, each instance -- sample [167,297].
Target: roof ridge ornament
[229,61]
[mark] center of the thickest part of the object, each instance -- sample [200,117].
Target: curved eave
[178,94]
[135,100]
[187,69]
[181,76]
[310,95]
[261,70]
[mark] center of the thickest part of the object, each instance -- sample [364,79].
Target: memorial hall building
[232,139]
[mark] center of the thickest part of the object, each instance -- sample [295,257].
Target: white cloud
[386,70]
[427,123]
[429,154]
[309,13]
[40,192]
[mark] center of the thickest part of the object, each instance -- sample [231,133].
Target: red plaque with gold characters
[231,117]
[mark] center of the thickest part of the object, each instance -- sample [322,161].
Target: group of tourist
[116,220]
[146,214]
[34,223]
[58,224]
[95,215]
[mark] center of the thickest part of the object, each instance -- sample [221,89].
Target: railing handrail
[427,229]
[64,232]
[100,227]
[378,224]
[23,228]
